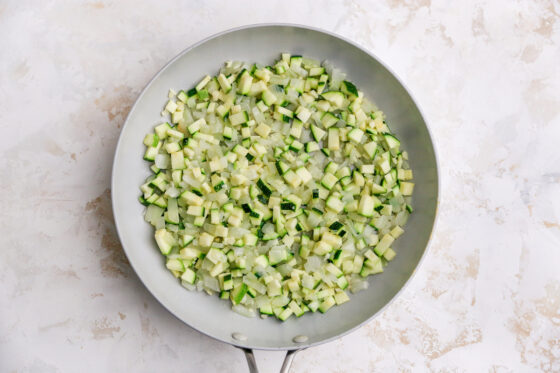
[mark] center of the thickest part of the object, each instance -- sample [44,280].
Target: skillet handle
[288,361]
[251,360]
[253,363]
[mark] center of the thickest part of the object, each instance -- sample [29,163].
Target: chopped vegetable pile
[276,187]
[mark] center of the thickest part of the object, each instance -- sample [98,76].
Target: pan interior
[262,44]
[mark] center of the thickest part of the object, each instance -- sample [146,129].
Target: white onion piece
[247,312]
[313,264]
[162,161]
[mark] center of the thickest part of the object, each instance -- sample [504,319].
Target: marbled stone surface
[487,75]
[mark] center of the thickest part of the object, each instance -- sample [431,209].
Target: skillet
[209,315]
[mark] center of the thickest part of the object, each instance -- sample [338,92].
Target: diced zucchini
[318,133]
[327,304]
[328,119]
[328,181]
[239,118]
[189,276]
[336,98]
[165,241]
[241,198]
[238,293]
[349,89]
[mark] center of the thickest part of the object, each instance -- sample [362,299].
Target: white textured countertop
[487,75]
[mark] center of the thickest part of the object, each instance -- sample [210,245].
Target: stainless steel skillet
[210,315]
